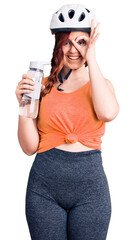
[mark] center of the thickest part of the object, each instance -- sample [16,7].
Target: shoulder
[110,85]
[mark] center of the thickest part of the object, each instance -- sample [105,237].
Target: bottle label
[35,94]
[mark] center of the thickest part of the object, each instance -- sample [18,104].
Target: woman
[67,193]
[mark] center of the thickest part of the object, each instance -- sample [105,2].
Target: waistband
[64,153]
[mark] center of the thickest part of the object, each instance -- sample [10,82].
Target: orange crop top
[68,118]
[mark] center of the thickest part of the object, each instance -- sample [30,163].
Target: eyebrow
[74,39]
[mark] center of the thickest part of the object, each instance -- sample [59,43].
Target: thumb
[43,87]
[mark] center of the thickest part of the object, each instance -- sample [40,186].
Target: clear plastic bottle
[30,101]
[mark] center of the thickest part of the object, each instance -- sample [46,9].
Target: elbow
[27,150]
[110,116]
[29,153]
[32,151]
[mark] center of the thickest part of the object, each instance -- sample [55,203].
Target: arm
[103,95]
[27,127]
[28,135]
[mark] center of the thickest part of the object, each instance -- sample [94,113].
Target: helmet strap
[66,77]
[60,77]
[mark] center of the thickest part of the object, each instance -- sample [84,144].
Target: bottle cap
[39,64]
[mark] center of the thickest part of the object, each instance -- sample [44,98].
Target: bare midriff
[74,147]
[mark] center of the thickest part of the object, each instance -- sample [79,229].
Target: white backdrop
[25,36]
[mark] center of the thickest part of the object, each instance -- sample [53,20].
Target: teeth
[73,58]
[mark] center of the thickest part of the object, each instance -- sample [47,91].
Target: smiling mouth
[73,58]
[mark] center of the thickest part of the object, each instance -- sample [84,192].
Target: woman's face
[72,57]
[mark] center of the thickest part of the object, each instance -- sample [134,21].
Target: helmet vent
[61,18]
[71,13]
[82,16]
[87,10]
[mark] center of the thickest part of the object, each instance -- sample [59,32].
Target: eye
[82,42]
[67,43]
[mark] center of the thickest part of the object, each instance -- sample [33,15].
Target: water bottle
[29,105]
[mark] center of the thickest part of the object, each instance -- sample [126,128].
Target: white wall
[25,36]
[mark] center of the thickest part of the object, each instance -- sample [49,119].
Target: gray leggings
[68,196]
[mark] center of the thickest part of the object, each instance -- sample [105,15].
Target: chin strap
[60,78]
[66,77]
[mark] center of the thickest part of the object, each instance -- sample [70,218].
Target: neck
[75,74]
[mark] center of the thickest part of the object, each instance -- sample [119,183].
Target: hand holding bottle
[29,89]
[26,85]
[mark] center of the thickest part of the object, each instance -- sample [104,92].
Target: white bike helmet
[72,17]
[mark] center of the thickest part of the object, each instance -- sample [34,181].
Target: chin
[74,66]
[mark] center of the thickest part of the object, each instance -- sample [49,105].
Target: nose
[73,49]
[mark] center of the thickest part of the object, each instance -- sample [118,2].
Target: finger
[24,91]
[21,91]
[26,86]
[76,45]
[92,27]
[82,37]
[26,76]
[28,81]
[96,29]
[95,39]
[43,87]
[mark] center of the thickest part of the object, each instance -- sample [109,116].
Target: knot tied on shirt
[71,138]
